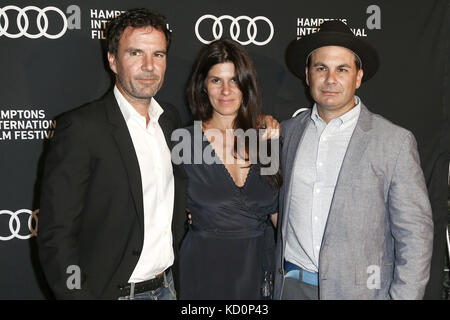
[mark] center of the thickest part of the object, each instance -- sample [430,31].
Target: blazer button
[136,253]
[281,271]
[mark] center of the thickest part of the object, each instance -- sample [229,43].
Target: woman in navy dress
[227,251]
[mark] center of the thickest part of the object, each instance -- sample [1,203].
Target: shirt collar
[128,112]
[346,119]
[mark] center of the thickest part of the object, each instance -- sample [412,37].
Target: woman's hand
[274,218]
[271,125]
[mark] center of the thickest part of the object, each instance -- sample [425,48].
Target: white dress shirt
[157,188]
[316,169]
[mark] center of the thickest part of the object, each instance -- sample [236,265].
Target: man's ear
[112,62]
[306,73]
[359,77]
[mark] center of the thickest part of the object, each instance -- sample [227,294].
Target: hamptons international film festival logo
[20,224]
[25,124]
[37,22]
[99,20]
[246,30]
[306,26]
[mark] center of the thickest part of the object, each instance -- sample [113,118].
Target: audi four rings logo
[15,224]
[235,29]
[23,22]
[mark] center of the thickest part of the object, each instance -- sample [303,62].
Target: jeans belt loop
[165,283]
[132,291]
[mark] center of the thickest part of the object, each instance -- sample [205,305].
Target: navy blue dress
[222,256]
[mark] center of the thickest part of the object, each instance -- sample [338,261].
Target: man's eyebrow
[318,64]
[136,49]
[132,49]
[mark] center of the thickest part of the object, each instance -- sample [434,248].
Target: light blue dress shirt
[317,164]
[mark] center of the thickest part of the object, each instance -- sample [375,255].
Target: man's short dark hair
[136,18]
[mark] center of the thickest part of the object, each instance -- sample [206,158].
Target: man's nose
[331,77]
[147,63]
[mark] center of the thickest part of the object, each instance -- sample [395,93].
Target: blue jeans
[165,292]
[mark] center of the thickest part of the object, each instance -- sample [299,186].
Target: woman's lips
[226,101]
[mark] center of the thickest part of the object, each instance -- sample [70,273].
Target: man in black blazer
[112,206]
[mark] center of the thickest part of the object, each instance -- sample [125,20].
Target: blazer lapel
[166,126]
[122,137]
[355,150]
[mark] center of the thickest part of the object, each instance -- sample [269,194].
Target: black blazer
[91,207]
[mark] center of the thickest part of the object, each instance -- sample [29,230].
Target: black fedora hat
[331,33]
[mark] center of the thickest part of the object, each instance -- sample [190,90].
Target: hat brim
[298,51]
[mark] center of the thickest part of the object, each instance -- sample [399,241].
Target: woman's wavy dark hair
[221,51]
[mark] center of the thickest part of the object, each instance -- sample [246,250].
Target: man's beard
[141,91]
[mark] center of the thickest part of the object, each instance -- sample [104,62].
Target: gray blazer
[378,238]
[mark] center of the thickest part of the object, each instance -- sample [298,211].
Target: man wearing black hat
[355,219]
